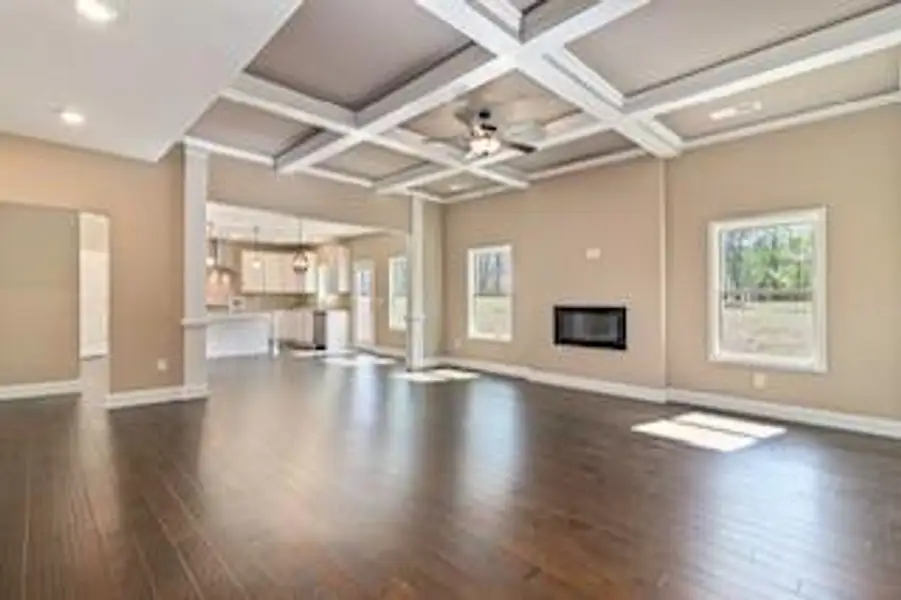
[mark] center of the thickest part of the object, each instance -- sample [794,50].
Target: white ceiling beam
[588,163]
[414,177]
[564,130]
[498,189]
[267,161]
[230,151]
[555,24]
[567,61]
[854,38]
[531,58]
[461,73]
[504,11]
[318,148]
[291,104]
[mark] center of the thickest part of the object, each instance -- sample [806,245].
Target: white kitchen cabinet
[253,278]
[308,279]
[337,330]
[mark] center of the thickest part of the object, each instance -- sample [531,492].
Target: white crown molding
[155,396]
[784,412]
[40,390]
[813,116]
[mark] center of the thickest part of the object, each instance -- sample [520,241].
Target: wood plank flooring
[304,480]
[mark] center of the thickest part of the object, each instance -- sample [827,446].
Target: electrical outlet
[758,380]
[162,365]
[593,253]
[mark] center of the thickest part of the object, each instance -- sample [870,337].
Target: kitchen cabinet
[273,273]
[295,326]
[252,272]
[336,261]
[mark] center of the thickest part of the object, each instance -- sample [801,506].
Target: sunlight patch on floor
[710,432]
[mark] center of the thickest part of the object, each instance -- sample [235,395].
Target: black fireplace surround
[590,326]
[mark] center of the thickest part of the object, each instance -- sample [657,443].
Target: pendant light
[301,262]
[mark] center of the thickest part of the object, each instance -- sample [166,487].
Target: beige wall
[245,184]
[550,226]
[38,294]
[853,167]
[379,248]
[144,202]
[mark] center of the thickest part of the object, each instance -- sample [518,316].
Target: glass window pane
[766,299]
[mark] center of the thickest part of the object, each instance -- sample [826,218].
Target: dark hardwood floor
[302,480]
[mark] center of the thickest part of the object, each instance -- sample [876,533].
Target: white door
[363,306]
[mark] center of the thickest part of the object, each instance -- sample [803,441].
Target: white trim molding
[398,353]
[40,390]
[573,382]
[816,417]
[155,396]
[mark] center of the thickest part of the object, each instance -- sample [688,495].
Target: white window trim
[473,253]
[392,324]
[819,362]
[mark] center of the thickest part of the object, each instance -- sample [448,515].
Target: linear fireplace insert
[590,326]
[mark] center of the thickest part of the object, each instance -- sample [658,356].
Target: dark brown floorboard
[303,480]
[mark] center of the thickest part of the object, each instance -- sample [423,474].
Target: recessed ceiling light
[737,110]
[96,11]
[71,117]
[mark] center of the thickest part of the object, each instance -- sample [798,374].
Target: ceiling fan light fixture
[483,146]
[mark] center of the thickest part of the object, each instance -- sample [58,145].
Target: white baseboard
[40,390]
[783,412]
[398,353]
[587,384]
[155,396]
[384,351]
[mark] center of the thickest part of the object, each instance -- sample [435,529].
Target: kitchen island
[238,334]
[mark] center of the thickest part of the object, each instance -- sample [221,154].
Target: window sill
[770,363]
[483,337]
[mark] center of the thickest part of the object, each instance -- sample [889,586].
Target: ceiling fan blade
[524,148]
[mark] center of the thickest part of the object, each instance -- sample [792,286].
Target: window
[490,293]
[768,291]
[397,292]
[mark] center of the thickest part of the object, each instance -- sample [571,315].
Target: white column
[194,322]
[416,281]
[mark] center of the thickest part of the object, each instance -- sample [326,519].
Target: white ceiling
[140,81]
[247,224]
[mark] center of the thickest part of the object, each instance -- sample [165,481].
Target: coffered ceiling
[371,93]
[378,86]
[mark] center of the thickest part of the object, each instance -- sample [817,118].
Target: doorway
[94,302]
[363,306]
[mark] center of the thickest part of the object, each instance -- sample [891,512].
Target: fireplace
[590,326]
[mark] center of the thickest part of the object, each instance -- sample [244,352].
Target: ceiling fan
[487,134]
